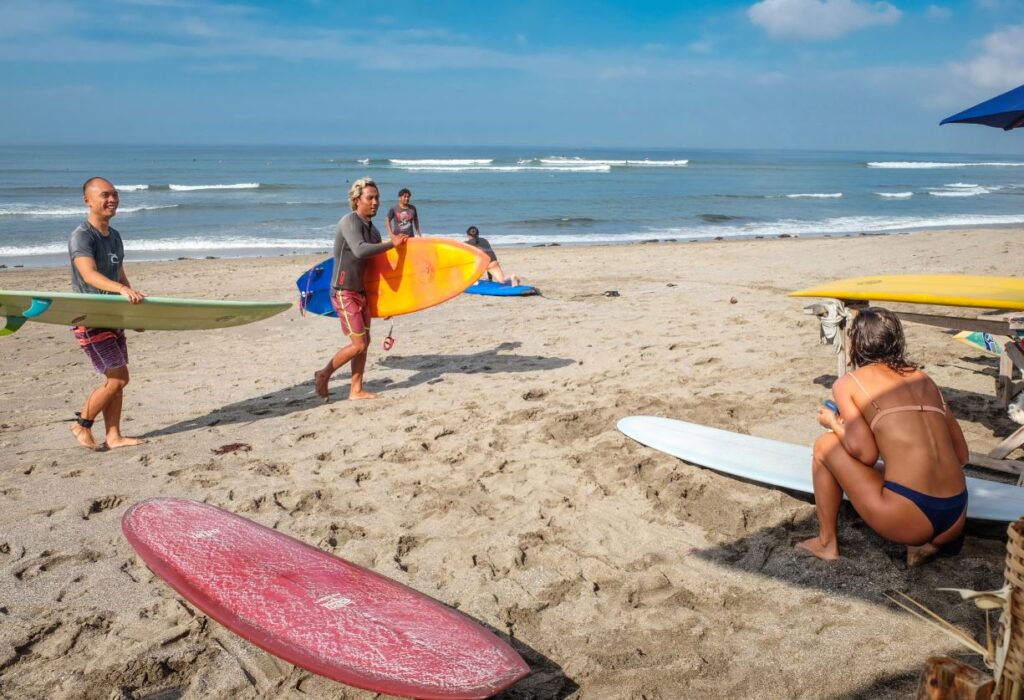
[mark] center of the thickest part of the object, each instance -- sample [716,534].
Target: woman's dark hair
[404,190]
[876,336]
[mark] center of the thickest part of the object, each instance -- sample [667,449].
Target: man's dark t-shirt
[481,243]
[107,251]
[403,219]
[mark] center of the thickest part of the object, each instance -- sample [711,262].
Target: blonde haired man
[357,240]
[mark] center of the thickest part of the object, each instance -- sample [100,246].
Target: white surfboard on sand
[784,464]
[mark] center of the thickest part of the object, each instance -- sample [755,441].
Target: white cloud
[198,28]
[1000,65]
[819,19]
[997,5]
[938,12]
[704,46]
[24,19]
[771,79]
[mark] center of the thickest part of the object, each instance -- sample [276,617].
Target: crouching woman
[891,410]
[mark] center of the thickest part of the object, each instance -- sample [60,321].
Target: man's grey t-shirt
[107,251]
[404,219]
[355,242]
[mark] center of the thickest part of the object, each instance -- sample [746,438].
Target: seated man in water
[889,409]
[494,270]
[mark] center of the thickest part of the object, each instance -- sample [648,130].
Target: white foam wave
[959,192]
[163,248]
[236,186]
[510,168]
[131,188]
[177,246]
[962,184]
[31,210]
[658,163]
[363,161]
[895,195]
[815,195]
[441,161]
[924,165]
[844,225]
[565,160]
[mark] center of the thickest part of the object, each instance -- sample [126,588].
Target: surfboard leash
[389,339]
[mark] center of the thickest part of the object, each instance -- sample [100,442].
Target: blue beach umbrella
[1005,111]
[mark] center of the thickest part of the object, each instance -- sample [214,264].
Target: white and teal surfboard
[114,311]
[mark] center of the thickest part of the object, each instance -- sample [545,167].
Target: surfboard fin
[14,323]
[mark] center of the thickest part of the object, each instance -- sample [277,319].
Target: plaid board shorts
[107,348]
[353,311]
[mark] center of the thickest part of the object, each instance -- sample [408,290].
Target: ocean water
[246,200]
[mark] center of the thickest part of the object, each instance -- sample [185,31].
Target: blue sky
[815,74]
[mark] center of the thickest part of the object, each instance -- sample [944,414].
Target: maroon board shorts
[353,311]
[106,348]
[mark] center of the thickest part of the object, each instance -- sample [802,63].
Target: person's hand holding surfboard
[134,295]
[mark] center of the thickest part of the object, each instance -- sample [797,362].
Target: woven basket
[1013,670]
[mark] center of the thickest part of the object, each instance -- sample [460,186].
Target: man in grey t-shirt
[356,241]
[97,267]
[403,218]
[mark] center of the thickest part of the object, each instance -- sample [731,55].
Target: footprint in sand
[48,561]
[101,504]
[406,544]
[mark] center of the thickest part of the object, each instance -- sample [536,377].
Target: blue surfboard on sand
[496,289]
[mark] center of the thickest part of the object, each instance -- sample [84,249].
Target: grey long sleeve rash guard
[355,242]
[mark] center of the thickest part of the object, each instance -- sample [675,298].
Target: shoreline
[59,260]
[490,475]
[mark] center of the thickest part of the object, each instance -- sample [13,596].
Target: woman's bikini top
[882,412]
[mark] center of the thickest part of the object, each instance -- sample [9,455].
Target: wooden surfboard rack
[1011,362]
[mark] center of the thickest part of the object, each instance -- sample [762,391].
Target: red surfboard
[315,610]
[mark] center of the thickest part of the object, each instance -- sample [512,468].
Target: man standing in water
[97,267]
[356,241]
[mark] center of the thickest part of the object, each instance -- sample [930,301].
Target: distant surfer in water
[97,267]
[494,270]
[405,217]
[356,241]
[889,409]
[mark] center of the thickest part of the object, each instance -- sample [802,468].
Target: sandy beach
[490,475]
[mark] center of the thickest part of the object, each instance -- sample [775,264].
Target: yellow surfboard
[977,291]
[417,275]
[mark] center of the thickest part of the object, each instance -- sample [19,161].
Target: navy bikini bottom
[942,512]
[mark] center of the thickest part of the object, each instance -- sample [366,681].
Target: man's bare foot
[357,395]
[921,555]
[84,437]
[122,441]
[814,545]
[320,380]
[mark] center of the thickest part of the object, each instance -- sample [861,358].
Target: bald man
[97,267]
